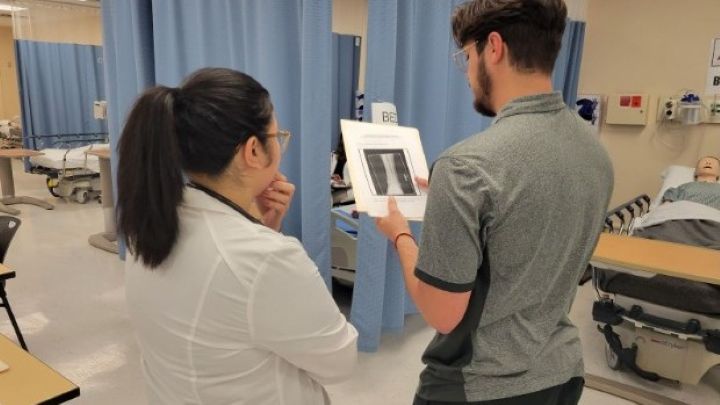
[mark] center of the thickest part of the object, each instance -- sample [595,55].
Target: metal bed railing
[619,220]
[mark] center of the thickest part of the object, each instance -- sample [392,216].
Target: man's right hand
[422,183]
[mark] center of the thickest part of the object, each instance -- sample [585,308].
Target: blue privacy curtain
[58,85]
[286,45]
[129,66]
[567,66]
[409,48]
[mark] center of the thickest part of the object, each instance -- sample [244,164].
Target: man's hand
[422,183]
[394,223]
[441,309]
[274,202]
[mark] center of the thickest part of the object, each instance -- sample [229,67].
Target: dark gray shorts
[564,394]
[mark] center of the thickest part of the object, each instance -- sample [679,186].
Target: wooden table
[623,253]
[8,184]
[658,257]
[30,381]
[105,240]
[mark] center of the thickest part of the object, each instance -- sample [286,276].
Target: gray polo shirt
[513,215]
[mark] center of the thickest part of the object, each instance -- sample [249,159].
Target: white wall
[9,98]
[577,9]
[658,47]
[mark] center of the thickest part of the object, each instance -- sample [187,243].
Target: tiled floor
[69,299]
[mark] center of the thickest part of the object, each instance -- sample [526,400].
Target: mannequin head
[708,169]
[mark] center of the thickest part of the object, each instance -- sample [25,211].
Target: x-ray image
[390,173]
[383,161]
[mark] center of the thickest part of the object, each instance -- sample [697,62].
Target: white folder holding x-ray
[384,160]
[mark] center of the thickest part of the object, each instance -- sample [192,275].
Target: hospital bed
[71,173]
[658,302]
[344,226]
[344,244]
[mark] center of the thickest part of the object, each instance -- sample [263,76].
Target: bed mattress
[74,158]
[682,294]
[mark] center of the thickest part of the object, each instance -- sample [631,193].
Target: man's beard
[482,102]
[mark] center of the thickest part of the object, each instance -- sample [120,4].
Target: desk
[105,240]
[8,184]
[30,381]
[652,256]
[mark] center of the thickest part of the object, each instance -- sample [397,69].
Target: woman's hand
[275,201]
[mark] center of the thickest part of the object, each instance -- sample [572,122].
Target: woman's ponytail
[150,177]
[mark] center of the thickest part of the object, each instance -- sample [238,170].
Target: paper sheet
[385,161]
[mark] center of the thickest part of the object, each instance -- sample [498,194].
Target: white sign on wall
[713,80]
[384,113]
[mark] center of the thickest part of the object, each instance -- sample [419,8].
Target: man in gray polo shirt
[513,216]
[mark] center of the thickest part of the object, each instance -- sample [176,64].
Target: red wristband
[397,237]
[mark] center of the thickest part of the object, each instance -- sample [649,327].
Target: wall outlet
[667,109]
[713,115]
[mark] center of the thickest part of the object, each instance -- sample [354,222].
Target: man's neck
[518,85]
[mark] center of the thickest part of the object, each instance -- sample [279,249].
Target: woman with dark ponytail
[226,308]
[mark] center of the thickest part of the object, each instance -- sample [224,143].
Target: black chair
[8,227]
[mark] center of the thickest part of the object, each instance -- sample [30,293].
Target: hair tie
[177,95]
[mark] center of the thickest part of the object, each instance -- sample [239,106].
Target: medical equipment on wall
[714,110]
[668,109]
[684,109]
[100,110]
[627,109]
[689,108]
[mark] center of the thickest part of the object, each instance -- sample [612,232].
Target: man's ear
[495,49]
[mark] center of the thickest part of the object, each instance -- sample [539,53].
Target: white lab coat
[238,314]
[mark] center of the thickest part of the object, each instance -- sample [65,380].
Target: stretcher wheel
[51,184]
[82,196]
[613,361]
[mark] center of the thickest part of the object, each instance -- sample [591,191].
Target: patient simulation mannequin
[704,190]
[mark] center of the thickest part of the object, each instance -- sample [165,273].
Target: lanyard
[225,201]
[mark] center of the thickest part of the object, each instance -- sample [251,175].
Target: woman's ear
[253,153]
